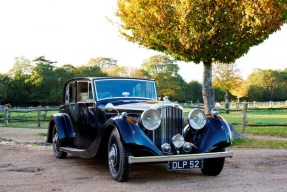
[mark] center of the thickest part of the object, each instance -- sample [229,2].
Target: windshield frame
[122,97]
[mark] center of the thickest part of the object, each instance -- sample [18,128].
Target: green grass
[28,124]
[43,134]
[266,131]
[259,143]
[4,139]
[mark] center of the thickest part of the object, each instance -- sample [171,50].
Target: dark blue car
[122,119]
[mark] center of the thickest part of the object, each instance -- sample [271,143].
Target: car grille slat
[171,124]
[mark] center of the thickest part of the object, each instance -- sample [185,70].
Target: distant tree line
[40,82]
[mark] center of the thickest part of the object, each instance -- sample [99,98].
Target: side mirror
[109,107]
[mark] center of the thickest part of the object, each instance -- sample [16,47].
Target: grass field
[259,143]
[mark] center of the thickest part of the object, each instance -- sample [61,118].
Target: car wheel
[56,145]
[213,167]
[117,158]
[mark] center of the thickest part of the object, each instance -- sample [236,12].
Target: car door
[85,114]
[80,106]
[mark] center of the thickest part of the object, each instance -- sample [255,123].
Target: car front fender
[216,134]
[133,136]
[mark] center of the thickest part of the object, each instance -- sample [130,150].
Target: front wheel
[117,158]
[213,167]
[56,145]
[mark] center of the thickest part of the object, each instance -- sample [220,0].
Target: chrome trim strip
[154,159]
[166,104]
[155,106]
[130,108]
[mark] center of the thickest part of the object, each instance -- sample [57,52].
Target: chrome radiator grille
[171,124]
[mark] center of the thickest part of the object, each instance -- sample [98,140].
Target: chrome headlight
[196,119]
[150,119]
[178,141]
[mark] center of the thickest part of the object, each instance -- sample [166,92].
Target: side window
[70,96]
[84,91]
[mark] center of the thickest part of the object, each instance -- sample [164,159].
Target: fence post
[46,111]
[226,106]
[39,115]
[6,115]
[244,117]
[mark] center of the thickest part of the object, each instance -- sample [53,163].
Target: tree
[18,90]
[270,84]
[43,80]
[164,70]
[68,68]
[204,31]
[89,71]
[4,82]
[22,66]
[103,62]
[241,88]
[125,71]
[226,77]
[193,91]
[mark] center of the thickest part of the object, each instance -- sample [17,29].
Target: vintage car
[122,120]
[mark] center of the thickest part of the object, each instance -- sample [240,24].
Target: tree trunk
[207,89]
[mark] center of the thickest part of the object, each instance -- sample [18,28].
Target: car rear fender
[64,125]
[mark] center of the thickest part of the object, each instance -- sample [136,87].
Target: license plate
[188,164]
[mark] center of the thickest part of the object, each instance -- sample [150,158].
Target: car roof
[96,78]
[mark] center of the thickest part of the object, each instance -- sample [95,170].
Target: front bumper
[155,159]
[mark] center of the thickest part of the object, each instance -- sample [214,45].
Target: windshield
[125,88]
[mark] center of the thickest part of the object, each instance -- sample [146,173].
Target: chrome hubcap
[55,142]
[113,153]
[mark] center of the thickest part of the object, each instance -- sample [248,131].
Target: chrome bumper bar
[154,159]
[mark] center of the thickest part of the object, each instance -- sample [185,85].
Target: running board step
[72,150]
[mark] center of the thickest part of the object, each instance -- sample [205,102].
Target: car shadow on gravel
[139,172]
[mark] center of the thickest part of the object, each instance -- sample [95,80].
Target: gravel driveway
[28,167]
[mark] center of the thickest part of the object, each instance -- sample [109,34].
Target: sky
[74,31]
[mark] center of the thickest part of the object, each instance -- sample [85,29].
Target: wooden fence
[6,117]
[245,109]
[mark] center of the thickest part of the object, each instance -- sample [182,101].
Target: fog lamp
[165,148]
[187,146]
[178,141]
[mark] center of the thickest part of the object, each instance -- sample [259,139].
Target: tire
[56,145]
[117,158]
[213,167]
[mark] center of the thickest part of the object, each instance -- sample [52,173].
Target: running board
[72,150]
[85,153]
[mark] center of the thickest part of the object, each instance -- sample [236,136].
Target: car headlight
[150,119]
[196,119]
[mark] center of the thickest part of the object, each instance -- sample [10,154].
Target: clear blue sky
[73,31]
